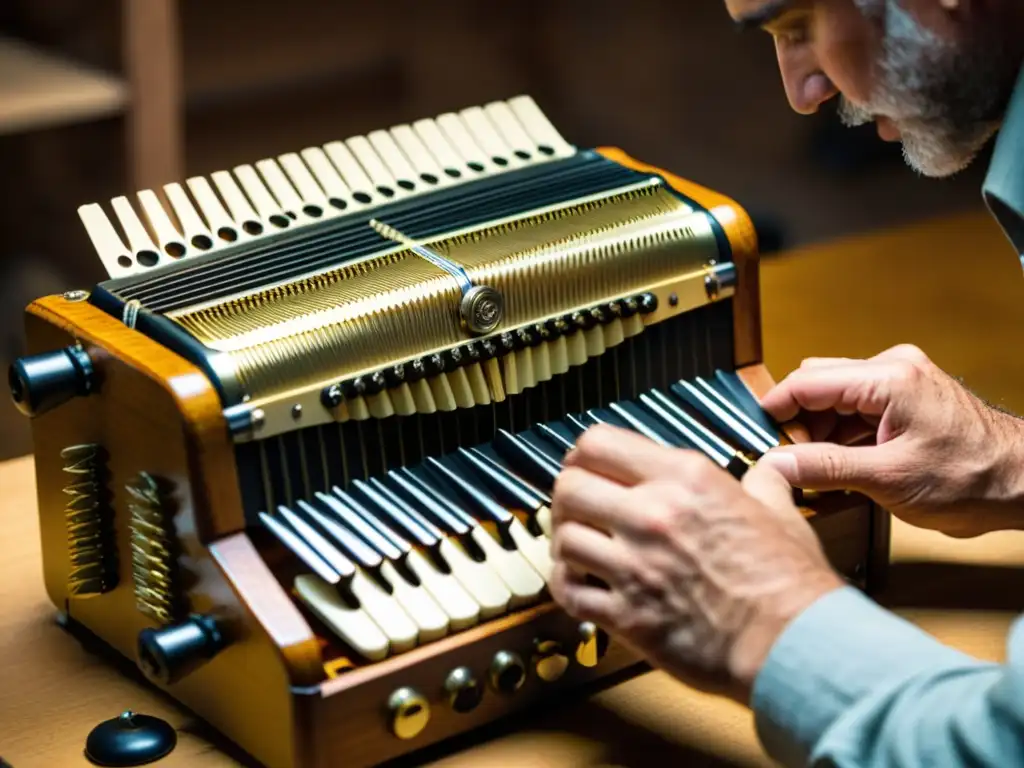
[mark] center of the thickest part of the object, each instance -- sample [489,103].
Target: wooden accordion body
[248,440]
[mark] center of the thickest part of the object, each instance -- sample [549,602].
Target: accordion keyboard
[417,553]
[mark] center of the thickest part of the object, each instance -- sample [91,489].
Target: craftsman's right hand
[935,455]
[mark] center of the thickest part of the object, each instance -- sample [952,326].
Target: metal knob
[508,672]
[482,309]
[549,660]
[463,689]
[168,654]
[40,383]
[409,712]
[591,645]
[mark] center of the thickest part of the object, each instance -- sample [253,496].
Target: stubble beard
[945,97]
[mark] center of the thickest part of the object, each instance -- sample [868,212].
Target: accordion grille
[396,305]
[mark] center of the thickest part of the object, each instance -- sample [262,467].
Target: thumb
[766,484]
[828,466]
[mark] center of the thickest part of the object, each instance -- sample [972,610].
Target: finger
[863,388]
[765,483]
[904,352]
[589,551]
[580,600]
[580,495]
[623,456]
[824,362]
[831,467]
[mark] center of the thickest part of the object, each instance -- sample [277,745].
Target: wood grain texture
[209,445]
[739,228]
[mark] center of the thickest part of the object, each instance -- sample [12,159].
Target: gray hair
[945,96]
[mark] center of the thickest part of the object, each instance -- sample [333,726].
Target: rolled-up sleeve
[851,685]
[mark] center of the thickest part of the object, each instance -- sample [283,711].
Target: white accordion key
[536,550]
[387,150]
[350,624]
[504,119]
[542,362]
[192,226]
[594,339]
[543,518]
[242,213]
[492,370]
[217,219]
[337,191]
[444,398]
[461,388]
[402,400]
[358,409]
[488,138]
[282,190]
[170,240]
[518,575]
[558,354]
[613,333]
[417,603]
[539,128]
[482,583]
[462,610]
[113,253]
[446,156]
[312,199]
[266,206]
[576,348]
[394,622]
[478,383]
[460,138]
[380,405]
[423,397]
[380,177]
[524,368]
[631,326]
[142,246]
[351,172]
[423,162]
[510,374]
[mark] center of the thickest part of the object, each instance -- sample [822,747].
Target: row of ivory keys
[298,188]
[397,562]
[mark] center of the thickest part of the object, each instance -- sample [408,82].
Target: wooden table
[952,286]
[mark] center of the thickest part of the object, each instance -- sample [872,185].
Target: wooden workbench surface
[953,287]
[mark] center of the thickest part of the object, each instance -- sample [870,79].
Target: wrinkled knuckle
[833,465]
[567,483]
[595,440]
[912,353]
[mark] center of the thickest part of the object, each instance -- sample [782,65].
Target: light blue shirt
[851,685]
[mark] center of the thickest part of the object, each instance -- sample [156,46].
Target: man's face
[930,73]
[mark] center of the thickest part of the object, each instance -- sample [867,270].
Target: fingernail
[782,462]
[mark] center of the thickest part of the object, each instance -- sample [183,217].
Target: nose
[807,87]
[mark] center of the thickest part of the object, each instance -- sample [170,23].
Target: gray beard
[945,98]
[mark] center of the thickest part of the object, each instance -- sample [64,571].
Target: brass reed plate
[290,344]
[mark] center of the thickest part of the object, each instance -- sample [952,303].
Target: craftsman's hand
[702,573]
[936,456]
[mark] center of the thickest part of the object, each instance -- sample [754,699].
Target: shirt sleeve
[851,685]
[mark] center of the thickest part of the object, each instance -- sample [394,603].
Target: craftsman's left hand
[703,572]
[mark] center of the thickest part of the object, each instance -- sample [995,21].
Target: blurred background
[100,98]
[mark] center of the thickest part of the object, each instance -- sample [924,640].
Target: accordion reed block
[295,456]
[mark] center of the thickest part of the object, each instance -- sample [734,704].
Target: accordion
[295,456]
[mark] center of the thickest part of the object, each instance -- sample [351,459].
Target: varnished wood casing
[267,690]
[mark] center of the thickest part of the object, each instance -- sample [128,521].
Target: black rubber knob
[40,383]
[130,739]
[168,654]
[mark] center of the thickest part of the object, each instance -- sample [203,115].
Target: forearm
[851,685]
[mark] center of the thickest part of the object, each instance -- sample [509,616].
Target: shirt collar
[1003,190]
